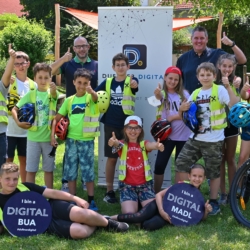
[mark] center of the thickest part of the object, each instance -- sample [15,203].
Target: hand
[53,142]
[112,140]
[237,81]
[24,125]
[225,40]
[133,82]
[52,87]
[67,56]
[12,52]
[81,202]
[12,79]
[89,88]
[159,145]
[184,106]
[165,216]
[157,92]
[246,86]
[225,81]
[208,207]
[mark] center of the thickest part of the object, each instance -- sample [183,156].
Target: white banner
[144,34]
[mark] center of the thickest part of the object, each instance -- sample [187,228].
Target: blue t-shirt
[68,69]
[115,117]
[189,62]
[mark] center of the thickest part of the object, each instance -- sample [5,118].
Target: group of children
[124,135]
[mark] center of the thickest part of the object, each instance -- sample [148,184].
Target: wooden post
[219,30]
[57,39]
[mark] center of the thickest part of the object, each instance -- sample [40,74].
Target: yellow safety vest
[21,188]
[91,125]
[218,113]
[3,110]
[52,110]
[123,163]
[128,99]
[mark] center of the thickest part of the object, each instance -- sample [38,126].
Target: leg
[129,207]
[80,231]
[31,177]
[48,179]
[3,146]
[72,187]
[214,187]
[244,152]
[110,173]
[155,223]
[21,150]
[22,161]
[223,170]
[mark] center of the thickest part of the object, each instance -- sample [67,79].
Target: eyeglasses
[84,46]
[120,65]
[137,128]
[20,64]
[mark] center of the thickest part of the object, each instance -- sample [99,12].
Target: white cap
[133,119]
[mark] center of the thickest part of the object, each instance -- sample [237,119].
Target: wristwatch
[232,45]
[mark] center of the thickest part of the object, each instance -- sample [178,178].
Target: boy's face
[206,78]
[120,68]
[21,65]
[9,182]
[80,84]
[43,80]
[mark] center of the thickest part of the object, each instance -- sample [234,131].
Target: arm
[157,92]
[53,141]
[92,92]
[60,195]
[154,146]
[184,107]
[57,64]
[24,125]
[158,198]
[244,91]
[9,68]
[208,209]
[53,90]
[133,83]
[240,56]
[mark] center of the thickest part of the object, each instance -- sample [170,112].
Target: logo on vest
[137,55]
[184,204]
[27,213]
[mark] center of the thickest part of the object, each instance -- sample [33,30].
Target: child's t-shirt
[4,91]
[180,132]
[135,173]
[115,117]
[206,133]
[42,134]
[75,129]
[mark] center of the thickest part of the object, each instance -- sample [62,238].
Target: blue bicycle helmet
[239,114]
[190,119]
[27,113]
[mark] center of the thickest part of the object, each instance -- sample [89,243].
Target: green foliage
[181,37]
[74,29]
[30,37]
[3,63]
[7,17]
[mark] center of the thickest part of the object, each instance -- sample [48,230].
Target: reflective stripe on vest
[3,110]
[21,188]
[91,125]
[218,113]
[52,110]
[128,98]
[123,162]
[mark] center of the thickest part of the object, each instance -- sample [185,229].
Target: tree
[28,36]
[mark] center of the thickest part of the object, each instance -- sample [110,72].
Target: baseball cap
[133,119]
[174,70]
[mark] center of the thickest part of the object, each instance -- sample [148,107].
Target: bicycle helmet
[161,129]
[12,101]
[61,128]
[27,113]
[103,101]
[190,119]
[239,114]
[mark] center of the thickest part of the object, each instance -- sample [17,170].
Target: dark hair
[195,166]
[139,139]
[207,66]
[119,57]
[220,62]
[21,54]
[42,67]
[9,167]
[178,89]
[82,73]
[199,29]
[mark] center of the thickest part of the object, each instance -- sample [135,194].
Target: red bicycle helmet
[61,129]
[161,129]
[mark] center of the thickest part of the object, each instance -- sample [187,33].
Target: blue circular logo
[26,213]
[184,204]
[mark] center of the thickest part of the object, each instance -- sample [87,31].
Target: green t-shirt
[75,129]
[42,134]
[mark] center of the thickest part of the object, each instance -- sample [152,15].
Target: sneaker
[92,206]
[223,199]
[117,226]
[110,197]
[216,208]
[65,187]
[84,186]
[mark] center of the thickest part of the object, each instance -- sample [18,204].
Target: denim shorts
[134,193]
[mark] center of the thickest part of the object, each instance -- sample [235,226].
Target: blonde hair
[9,167]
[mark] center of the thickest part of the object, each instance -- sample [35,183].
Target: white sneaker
[65,187]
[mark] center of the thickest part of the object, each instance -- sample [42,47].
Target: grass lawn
[217,232]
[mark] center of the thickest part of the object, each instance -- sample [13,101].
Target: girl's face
[172,81]
[132,131]
[196,177]
[226,67]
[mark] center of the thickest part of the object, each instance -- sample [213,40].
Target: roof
[181,5]
[11,6]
